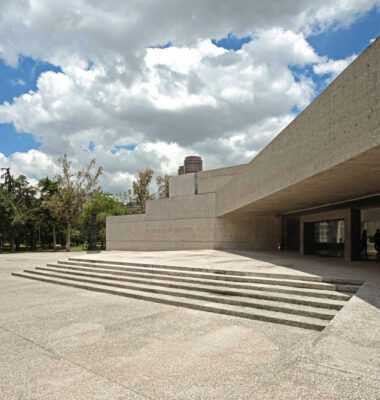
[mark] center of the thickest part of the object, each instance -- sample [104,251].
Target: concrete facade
[188,221]
[329,154]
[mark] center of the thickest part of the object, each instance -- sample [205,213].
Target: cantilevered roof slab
[329,153]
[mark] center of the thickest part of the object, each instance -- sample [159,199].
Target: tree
[163,186]
[103,204]
[74,190]
[48,189]
[7,212]
[141,187]
[18,206]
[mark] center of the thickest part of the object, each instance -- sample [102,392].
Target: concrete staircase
[308,302]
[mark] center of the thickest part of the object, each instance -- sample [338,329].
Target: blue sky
[162,123]
[13,83]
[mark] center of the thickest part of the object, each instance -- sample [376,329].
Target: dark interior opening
[325,238]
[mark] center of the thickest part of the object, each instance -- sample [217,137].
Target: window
[329,232]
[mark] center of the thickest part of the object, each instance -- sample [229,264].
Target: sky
[143,84]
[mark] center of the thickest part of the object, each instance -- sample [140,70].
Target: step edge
[219,310]
[279,306]
[199,285]
[216,282]
[311,278]
[281,282]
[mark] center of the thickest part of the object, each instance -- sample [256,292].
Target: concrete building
[312,189]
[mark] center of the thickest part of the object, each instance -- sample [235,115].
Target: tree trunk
[12,243]
[54,238]
[68,228]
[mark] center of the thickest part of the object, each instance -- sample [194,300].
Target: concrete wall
[211,181]
[187,221]
[208,181]
[192,206]
[140,232]
[257,233]
[181,185]
[125,233]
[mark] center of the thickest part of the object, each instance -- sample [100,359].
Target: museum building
[313,189]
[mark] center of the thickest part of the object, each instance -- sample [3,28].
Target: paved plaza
[61,342]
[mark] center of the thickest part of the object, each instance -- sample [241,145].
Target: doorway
[370,221]
[291,233]
[324,238]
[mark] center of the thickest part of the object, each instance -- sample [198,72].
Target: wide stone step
[191,303]
[224,277]
[330,294]
[205,286]
[309,278]
[241,300]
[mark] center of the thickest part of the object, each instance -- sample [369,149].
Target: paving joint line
[339,370]
[75,363]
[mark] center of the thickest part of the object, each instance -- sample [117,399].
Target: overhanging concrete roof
[352,179]
[329,153]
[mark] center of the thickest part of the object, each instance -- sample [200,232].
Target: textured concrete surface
[208,181]
[188,221]
[66,343]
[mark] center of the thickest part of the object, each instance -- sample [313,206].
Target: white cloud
[192,97]
[18,82]
[333,67]
[32,162]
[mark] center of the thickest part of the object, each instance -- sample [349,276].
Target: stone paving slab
[256,261]
[67,343]
[28,371]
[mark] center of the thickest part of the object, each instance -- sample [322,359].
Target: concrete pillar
[355,234]
[93,234]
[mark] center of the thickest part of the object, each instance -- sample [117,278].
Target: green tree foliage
[162,186]
[18,207]
[48,188]
[74,190]
[103,204]
[141,188]
[7,213]
[63,207]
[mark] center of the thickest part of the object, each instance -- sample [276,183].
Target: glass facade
[329,238]
[329,232]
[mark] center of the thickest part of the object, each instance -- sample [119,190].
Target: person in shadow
[364,244]
[376,238]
